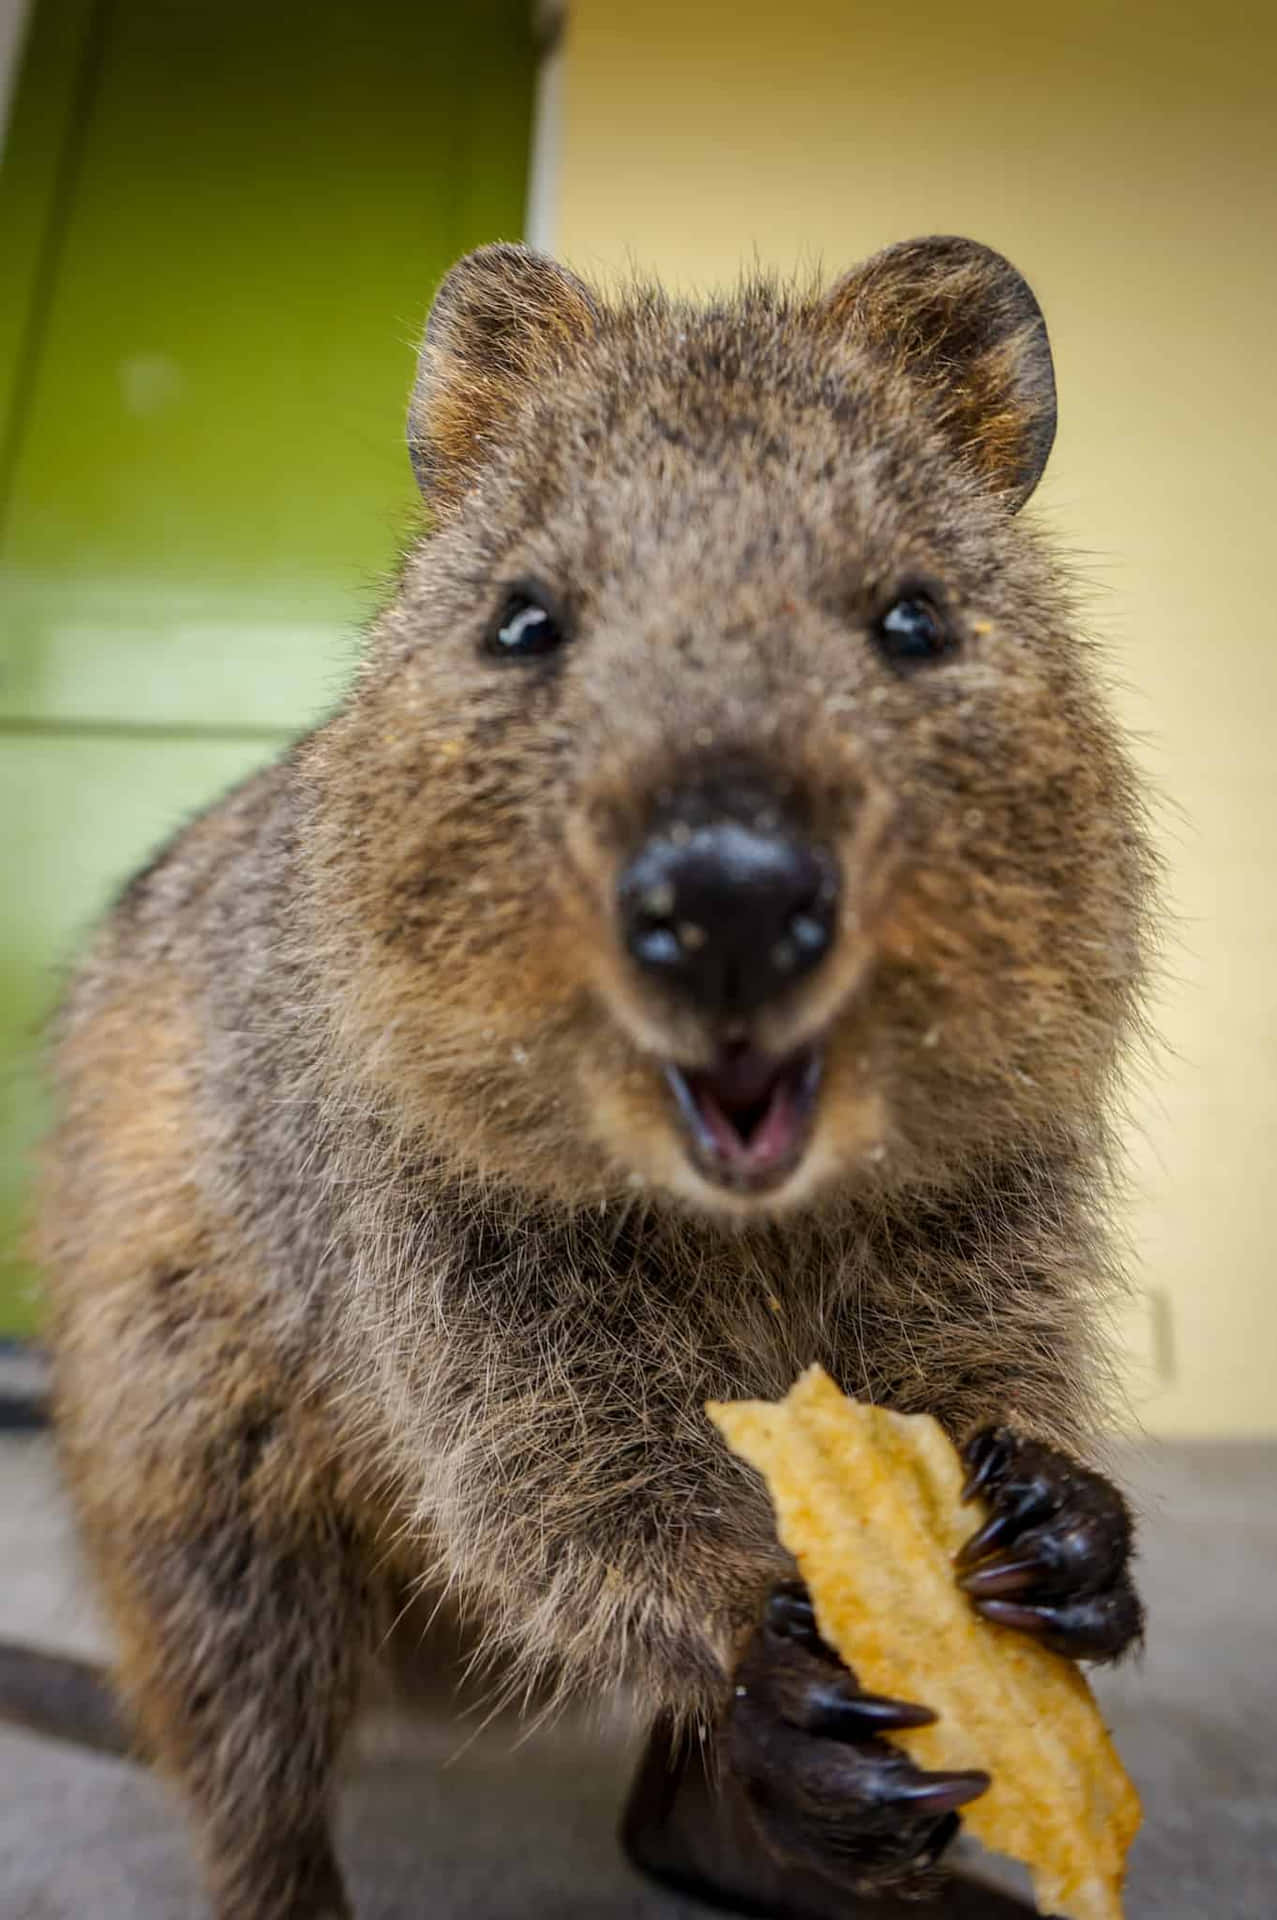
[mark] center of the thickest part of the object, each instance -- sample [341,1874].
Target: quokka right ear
[503,320]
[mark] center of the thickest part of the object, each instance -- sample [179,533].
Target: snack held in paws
[869,1502]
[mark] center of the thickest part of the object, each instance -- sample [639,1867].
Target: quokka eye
[528,623]
[913,630]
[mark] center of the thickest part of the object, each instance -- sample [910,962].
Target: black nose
[728,915]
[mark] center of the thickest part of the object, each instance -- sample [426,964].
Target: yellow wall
[1122,155]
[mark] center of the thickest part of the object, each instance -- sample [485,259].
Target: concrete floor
[431,1826]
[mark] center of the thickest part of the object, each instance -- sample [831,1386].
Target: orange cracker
[869,1504]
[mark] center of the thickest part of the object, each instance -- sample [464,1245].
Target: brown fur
[371,1245]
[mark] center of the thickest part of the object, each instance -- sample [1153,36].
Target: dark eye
[528,623]
[912,629]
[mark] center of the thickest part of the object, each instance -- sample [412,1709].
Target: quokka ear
[503,320]
[963,324]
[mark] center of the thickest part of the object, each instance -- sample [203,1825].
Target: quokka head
[727,809]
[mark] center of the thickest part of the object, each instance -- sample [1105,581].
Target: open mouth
[748,1117]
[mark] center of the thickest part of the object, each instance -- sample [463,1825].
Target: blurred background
[220,225]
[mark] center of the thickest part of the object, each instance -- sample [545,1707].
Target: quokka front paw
[828,1792]
[1053,1558]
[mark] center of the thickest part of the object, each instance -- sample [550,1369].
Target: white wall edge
[13,21]
[541,218]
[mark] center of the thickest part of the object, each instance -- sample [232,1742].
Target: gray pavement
[433,1826]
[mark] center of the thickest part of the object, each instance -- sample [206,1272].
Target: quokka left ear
[964,326]
[503,320]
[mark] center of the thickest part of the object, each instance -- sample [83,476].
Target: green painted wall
[226,222]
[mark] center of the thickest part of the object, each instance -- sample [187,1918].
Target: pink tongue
[771,1140]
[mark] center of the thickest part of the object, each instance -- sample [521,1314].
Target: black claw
[942,1834]
[884,1714]
[936,1792]
[789,1610]
[843,1715]
[1095,1627]
[791,1595]
[985,1454]
[999,1577]
[990,1535]
[789,1616]
[1011,1613]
